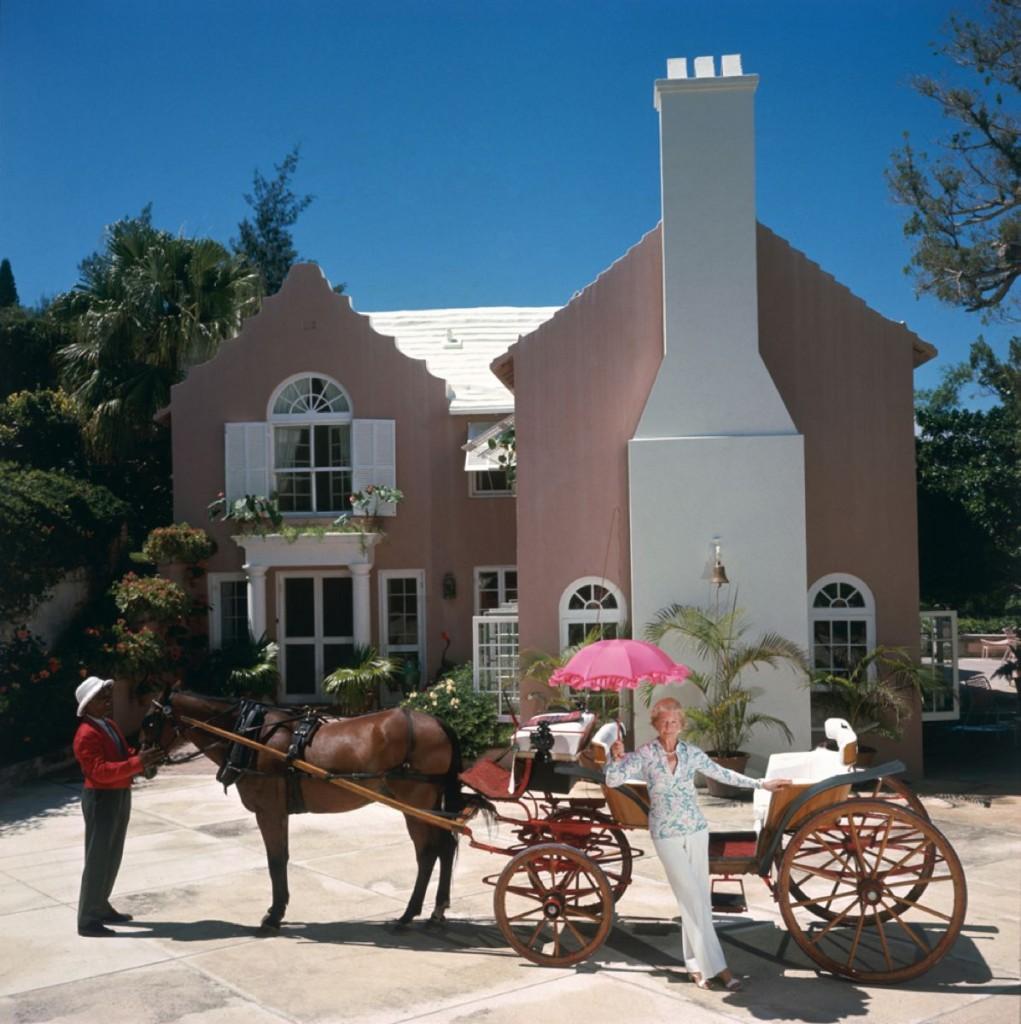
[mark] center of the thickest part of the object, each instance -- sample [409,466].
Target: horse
[413,757]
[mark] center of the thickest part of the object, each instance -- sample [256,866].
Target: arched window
[842,613]
[589,603]
[310,415]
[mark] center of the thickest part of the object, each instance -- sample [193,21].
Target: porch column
[362,604]
[256,575]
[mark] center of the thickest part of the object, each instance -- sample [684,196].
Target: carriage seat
[571,731]
[628,804]
[805,768]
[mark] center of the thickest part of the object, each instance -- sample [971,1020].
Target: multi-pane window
[495,657]
[843,624]
[591,604]
[233,612]
[495,586]
[402,611]
[312,446]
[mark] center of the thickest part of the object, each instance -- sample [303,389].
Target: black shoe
[95,930]
[115,917]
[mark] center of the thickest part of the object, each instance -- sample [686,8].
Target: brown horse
[408,755]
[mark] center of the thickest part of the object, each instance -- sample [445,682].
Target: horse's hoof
[400,924]
[436,922]
[270,923]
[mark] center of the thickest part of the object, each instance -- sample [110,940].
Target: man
[108,765]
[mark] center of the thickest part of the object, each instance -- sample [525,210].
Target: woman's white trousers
[686,861]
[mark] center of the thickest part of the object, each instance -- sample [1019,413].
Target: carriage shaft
[315,771]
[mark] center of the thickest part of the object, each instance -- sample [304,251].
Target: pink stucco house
[712,391]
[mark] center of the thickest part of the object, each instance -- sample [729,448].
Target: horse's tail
[453,799]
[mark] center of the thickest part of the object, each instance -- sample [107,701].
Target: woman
[679,831]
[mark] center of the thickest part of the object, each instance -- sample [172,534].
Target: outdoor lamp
[449,585]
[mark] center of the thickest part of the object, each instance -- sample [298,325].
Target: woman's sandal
[700,982]
[734,985]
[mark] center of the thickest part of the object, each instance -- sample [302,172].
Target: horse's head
[160,727]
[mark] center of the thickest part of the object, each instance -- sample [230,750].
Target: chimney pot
[731,64]
[677,67]
[705,67]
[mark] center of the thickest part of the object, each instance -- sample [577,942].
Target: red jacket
[101,762]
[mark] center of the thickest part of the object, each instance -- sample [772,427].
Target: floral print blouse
[673,810]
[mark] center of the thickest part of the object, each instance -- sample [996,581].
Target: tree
[28,346]
[969,485]
[8,291]
[966,205]
[266,241]
[148,306]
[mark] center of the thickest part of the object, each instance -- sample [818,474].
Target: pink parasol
[616,664]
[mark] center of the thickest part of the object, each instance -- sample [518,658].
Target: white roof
[459,344]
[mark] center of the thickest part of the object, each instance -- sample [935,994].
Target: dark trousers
[106,814]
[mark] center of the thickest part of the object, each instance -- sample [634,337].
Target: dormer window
[310,417]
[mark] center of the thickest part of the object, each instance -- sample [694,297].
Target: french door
[316,630]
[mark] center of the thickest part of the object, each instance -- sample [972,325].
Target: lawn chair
[980,712]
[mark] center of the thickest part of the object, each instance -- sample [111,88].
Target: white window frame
[318,639]
[503,638]
[311,420]
[213,581]
[929,656]
[385,647]
[595,616]
[868,613]
[501,585]
[484,427]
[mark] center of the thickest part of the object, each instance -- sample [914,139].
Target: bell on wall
[719,574]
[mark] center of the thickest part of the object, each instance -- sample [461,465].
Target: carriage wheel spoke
[902,901]
[914,938]
[524,893]
[882,938]
[533,877]
[857,939]
[840,917]
[538,928]
[916,881]
[525,913]
[825,899]
[575,932]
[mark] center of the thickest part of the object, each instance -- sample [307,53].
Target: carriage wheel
[600,840]
[891,791]
[553,905]
[857,860]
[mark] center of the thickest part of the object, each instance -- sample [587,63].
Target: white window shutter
[246,460]
[374,458]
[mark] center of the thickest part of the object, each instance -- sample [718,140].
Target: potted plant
[355,687]
[875,695]
[367,504]
[253,513]
[245,668]
[724,721]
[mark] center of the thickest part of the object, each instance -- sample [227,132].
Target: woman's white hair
[663,705]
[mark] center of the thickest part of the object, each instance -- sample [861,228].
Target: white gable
[459,344]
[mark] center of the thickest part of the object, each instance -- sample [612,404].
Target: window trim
[322,418]
[568,616]
[501,584]
[486,427]
[382,576]
[868,612]
[213,581]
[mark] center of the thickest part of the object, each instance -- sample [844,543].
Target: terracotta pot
[736,763]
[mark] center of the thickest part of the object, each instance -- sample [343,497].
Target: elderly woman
[679,831]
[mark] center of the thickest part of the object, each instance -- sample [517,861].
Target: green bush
[28,343]
[150,598]
[178,542]
[991,624]
[470,714]
[41,429]
[51,523]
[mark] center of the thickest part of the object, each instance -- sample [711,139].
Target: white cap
[89,689]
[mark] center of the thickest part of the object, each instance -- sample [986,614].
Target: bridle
[163,711]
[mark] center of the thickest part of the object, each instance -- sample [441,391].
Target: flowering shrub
[139,652]
[150,597]
[470,714]
[36,698]
[178,542]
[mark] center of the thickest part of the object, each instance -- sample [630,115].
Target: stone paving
[194,877]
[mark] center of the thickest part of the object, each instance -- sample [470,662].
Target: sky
[461,152]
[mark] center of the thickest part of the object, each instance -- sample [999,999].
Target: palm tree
[724,722]
[148,306]
[355,688]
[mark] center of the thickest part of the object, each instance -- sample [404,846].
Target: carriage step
[732,902]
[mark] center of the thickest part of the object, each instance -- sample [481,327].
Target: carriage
[867,886]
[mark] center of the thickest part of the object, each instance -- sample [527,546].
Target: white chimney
[716,454]
[712,380]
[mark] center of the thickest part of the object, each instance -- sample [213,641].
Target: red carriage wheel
[598,838]
[553,905]
[861,861]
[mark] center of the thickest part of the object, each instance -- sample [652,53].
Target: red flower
[445,637]
[53,664]
[44,674]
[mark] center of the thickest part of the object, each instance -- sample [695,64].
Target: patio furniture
[980,713]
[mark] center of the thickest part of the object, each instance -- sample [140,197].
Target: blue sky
[461,153]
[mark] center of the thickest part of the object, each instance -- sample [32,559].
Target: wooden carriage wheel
[891,790]
[600,840]
[553,905]
[857,860]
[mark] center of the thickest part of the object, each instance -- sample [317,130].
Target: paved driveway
[195,879]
